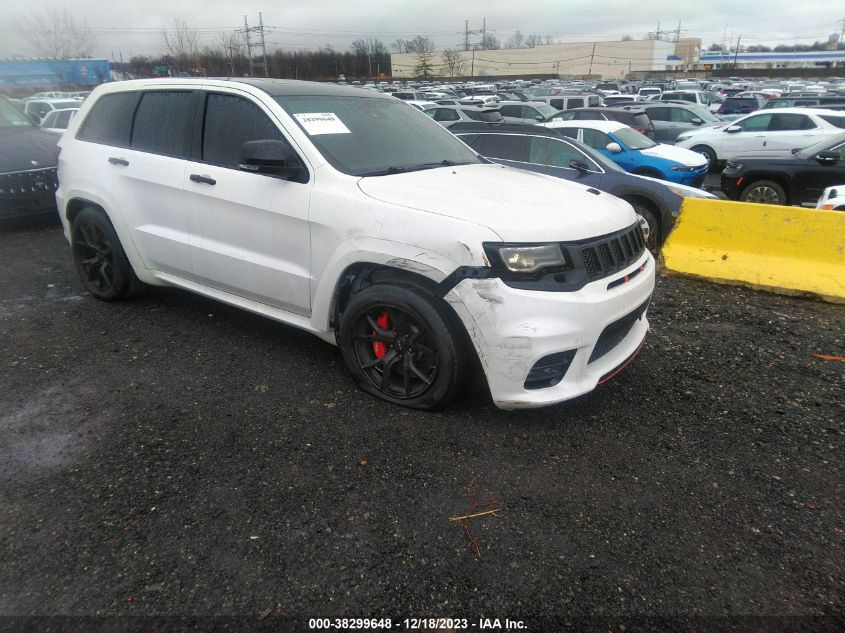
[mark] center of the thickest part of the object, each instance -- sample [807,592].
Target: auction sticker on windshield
[321,123]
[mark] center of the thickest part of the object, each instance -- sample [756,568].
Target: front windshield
[633,139]
[374,136]
[10,116]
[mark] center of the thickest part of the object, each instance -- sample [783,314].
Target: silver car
[448,115]
[672,119]
[526,111]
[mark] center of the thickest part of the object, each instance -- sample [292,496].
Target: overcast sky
[134,27]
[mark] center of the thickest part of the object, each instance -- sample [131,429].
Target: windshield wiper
[420,167]
[384,172]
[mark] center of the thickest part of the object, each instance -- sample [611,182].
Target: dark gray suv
[673,119]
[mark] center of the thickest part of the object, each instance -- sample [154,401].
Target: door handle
[205,179]
[119,161]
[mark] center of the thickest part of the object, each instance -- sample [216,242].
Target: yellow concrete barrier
[783,249]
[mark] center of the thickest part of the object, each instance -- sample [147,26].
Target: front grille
[612,253]
[616,332]
[30,190]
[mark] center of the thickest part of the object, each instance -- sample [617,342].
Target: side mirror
[614,148]
[828,157]
[579,165]
[733,129]
[271,158]
[696,121]
[540,117]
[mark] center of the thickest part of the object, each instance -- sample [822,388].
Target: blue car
[545,151]
[635,152]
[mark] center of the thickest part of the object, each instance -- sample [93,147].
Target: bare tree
[549,39]
[490,42]
[517,40]
[454,62]
[533,40]
[627,38]
[54,32]
[400,45]
[182,42]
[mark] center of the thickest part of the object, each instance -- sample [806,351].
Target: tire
[651,227]
[709,154]
[764,192]
[408,332]
[99,257]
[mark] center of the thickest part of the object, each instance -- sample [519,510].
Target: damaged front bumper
[590,333]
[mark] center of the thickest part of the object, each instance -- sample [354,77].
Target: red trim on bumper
[621,367]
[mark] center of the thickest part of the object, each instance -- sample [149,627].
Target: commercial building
[31,74]
[810,59]
[608,60]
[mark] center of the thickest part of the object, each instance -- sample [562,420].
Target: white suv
[348,214]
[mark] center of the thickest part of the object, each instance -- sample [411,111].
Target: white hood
[680,155]
[520,206]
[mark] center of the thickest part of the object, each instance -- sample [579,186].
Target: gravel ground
[172,455]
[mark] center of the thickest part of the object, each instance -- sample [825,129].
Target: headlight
[734,166]
[529,259]
[690,193]
[682,168]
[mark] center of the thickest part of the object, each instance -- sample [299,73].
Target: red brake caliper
[379,348]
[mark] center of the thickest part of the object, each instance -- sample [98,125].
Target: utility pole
[592,55]
[484,33]
[260,44]
[466,34]
[263,45]
[736,52]
[678,32]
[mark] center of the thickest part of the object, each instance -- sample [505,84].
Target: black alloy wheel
[405,345]
[100,260]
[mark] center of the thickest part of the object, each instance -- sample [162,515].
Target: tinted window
[63,118]
[502,146]
[571,132]
[163,122]
[444,114]
[574,103]
[229,123]
[110,120]
[556,103]
[596,139]
[660,114]
[548,151]
[838,121]
[790,122]
[758,123]
[511,110]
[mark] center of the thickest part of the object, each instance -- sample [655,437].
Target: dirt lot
[172,455]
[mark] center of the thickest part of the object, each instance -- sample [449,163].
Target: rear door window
[504,146]
[837,121]
[660,114]
[109,121]
[164,122]
[790,122]
[511,110]
[575,103]
[230,122]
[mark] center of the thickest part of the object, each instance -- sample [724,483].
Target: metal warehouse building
[610,60]
[39,74]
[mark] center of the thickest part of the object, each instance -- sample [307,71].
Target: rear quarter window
[110,119]
[838,121]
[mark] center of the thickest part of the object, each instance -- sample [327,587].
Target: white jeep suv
[348,214]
